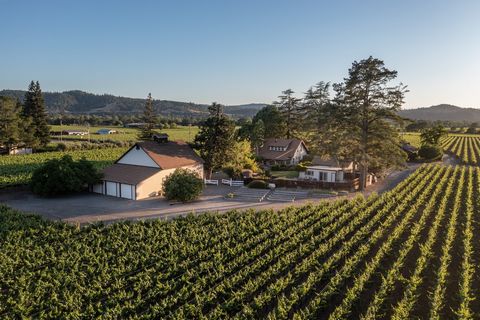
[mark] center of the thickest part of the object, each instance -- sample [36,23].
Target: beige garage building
[140,172]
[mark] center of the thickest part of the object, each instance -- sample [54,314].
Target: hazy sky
[239,51]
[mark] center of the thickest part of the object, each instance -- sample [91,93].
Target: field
[465,147]
[408,253]
[412,137]
[17,169]
[184,133]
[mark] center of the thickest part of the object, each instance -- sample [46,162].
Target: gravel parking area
[89,207]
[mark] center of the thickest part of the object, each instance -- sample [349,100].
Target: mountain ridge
[442,112]
[81,102]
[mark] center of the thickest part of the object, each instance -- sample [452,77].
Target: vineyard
[17,169]
[465,147]
[408,253]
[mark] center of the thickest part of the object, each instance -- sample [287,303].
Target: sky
[237,52]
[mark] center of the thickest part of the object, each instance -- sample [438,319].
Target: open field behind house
[185,133]
[408,253]
[17,169]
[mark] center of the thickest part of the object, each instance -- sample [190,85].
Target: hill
[444,112]
[79,102]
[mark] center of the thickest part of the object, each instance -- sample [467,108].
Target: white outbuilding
[140,172]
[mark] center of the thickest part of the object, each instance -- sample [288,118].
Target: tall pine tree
[367,111]
[34,110]
[215,139]
[149,119]
[290,109]
[10,123]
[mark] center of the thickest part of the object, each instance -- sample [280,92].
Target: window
[323,176]
[309,173]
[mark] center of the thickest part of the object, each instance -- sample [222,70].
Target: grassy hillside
[443,112]
[88,103]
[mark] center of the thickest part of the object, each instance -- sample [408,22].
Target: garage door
[126,191]
[111,188]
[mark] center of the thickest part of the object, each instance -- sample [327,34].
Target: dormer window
[276,148]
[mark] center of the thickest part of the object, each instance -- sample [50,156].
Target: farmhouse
[140,172]
[327,169]
[282,151]
[15,150]
[69,133]
[106,131]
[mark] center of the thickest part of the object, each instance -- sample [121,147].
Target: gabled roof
[291,145]
[170,154]
[127,173]
[329,162]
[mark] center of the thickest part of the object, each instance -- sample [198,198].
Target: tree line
[24,124]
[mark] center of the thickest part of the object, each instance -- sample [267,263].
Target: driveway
[85,208]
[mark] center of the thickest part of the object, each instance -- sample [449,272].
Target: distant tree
[61,176]
[258,134]
[183,185]
[430,152]
[34,109]
[10,123]
[366,113]
[433,135]
[149,120]
[215,139]
[418,125]
[289,108]
[273,121]
[472,128]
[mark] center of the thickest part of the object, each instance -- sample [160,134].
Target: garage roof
[172,154]
[127,173]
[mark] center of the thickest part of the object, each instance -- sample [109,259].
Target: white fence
[233,183]
[213,182]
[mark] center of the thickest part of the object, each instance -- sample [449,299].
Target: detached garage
[140,172]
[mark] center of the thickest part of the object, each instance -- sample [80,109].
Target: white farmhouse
[141,171]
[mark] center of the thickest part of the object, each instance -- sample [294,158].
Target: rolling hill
[79,102]
[444,112]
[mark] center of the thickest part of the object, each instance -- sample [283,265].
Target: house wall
[137,157]
[331,175]
[152,186]
[299,154]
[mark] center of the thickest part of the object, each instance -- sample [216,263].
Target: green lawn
[285,174]
[184,133]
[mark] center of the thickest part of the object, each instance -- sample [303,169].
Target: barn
[139,173]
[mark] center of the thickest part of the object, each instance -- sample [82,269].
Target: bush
[430,152]
[61,176]
[258,184]
[301,167]
[61,146]
[232,172]
[183,185]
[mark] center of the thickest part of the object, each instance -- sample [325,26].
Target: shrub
[61,176]
[61,146]
[301,167]
[183,185]
[430,152]
[232,172]
[258,184]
